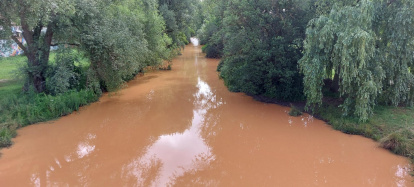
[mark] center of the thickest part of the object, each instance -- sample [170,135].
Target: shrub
[63,75]
[294,111]
[213,51]
[5,136]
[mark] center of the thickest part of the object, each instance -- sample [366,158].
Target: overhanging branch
[20,44]
[71,44]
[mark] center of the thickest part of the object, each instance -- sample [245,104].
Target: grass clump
[25,109]
[6,134]
[19,110]
[294,111]
[400,142]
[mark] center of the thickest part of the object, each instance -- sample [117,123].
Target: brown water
[184,128]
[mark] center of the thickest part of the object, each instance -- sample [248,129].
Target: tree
[182,17]
[368,45]
[39,21]
[120,38]
[211,31]
[262,44]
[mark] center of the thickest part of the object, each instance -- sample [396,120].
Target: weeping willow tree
[368,45]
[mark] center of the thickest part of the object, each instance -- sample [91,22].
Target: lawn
[9,66]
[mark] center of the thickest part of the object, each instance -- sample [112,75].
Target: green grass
[10,66]
[19,109]
[10,87]
[22,109]
[393,127]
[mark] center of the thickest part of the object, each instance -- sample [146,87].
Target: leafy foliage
[64,75]
[262,44]
[182,18]
[360,43]
[211,31]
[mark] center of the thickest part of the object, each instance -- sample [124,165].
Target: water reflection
[172,155]
[35,180]
[194,41]
[86,148]
[401,173]
[82,150]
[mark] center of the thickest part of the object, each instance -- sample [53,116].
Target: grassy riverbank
[393,127]
[19,109]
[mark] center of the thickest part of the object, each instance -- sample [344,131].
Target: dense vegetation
[101,44]
[260,43]
[348,60]
[371,54]
[362,50]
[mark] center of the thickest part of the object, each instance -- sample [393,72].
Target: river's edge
[331,114]
[38,105]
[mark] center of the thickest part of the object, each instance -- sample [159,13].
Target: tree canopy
[287,49]
[262,42]
[369,45]
[119,37]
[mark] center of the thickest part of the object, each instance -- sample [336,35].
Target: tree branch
[27,33]
[20,44]
[72,44]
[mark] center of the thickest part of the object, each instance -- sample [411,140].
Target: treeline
[291,50]
[118,37]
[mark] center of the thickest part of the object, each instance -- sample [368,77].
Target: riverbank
[19,109]
[391,127]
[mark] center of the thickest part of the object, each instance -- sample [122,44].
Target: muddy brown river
[184,128]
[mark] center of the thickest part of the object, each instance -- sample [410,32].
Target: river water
[184,128]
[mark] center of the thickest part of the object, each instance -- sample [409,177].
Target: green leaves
[261,48]
[364,41]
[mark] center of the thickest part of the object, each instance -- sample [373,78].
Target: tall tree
[119,37]
[211,31]
[262,44]
[182,18]
[39,21]
[368,45]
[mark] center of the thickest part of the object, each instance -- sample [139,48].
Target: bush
[64,75]
[5,136]
[294,111]
[212,51]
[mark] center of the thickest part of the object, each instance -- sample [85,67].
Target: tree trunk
[38,57]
